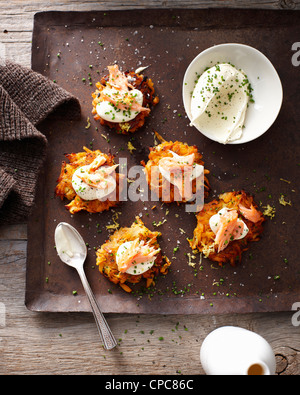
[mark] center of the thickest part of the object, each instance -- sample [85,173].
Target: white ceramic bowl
[267,93]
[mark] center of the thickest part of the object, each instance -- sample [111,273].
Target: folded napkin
[26,99]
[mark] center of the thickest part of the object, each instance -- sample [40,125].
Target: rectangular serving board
[268,279]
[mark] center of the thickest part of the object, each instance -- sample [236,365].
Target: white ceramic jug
[232,350]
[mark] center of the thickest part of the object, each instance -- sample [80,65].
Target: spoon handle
[106,335]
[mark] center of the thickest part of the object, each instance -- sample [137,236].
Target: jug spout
[258,368]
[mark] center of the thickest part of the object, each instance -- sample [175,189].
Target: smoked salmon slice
[250,213]
[117,79]
[229,229]
[124,102]
[173,164]
[123,99]
[99,161]
[138,252]
[179,170]
[96,176]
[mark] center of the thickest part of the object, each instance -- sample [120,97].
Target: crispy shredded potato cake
[136,81]
[165,190]
[107,261]
[204,237]
[64,188]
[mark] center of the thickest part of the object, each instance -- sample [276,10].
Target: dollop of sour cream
[111,113]
[135,269]
[219,102]
[88,192]
[196,171]
[214,220]
[181,171]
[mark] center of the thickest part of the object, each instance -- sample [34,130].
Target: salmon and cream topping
[219,102]
[135,257]
[119,101]
[180,171]
[227,227]
[95,181]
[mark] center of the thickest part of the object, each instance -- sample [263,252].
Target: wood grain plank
[129,4]
[13,232]
[43,343]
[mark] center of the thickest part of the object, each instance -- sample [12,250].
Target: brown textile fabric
[26,99]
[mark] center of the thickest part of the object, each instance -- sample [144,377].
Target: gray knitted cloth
[26,99]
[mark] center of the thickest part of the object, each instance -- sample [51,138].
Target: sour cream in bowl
[232,94]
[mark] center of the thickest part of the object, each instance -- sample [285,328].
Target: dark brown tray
[168,40]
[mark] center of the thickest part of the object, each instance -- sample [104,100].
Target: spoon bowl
[72,250]
[70,246]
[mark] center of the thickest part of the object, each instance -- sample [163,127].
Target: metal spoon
[72,250]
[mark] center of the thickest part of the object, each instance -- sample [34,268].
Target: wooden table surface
[58,343]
